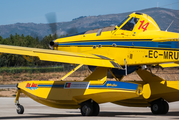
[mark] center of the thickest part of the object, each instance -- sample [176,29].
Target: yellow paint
[28,58]
[148,77]
[167,90]
[165,39]
[166,65]
[66,97]
[100,74]
[113,85]
[17,96]
[72,71]
[146,91]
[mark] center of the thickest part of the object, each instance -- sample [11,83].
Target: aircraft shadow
[101,114]
[114,114]
[38,115]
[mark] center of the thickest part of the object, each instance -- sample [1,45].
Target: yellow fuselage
[137,46]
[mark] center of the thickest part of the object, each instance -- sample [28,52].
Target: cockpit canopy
[130,24]
[135,22]
[139,22]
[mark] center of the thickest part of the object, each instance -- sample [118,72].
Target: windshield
[130,24]
[123,21]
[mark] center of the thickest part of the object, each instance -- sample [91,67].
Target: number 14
[144,27]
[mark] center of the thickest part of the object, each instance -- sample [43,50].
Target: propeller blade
[51,18]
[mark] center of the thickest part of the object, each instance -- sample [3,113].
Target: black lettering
[155,54]
[176,54]
[160,54]
[165,55]
[150,53]
[171,55]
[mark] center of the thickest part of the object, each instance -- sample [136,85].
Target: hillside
[162,16]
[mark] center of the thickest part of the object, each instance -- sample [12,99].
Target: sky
[26,11]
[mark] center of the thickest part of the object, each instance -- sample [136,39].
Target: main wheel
[95,109]
[86,109]
[157,107]
[165,107]
[20,109]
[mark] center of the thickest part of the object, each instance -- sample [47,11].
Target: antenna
[169,25]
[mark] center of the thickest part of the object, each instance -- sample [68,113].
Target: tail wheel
[159,107]
[20,109]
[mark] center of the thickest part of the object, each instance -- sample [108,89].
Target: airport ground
[109,111]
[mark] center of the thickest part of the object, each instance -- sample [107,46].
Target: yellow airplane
[133,45]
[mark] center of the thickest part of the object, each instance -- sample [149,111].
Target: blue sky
[25,11]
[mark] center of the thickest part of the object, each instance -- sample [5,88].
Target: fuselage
[135,45]
[131,41]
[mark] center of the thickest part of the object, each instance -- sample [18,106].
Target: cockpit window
[130,24]
[123,21]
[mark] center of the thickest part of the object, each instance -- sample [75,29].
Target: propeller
[51,18]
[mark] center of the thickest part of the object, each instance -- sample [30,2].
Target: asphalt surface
[7,86]
[109,111]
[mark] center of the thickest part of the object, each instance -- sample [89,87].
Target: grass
[13,70]
[3,90]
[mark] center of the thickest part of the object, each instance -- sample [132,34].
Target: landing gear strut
[89,108]
[19,108]
[159,106]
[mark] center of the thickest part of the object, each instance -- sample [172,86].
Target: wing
[61,56]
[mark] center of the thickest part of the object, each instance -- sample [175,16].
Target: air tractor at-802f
[115,51]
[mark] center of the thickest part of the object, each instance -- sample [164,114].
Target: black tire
[165,107]
[86,109]
[20,109]
[157,107]
[96,109]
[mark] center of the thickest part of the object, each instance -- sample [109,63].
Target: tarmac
[7,86]
[108,111]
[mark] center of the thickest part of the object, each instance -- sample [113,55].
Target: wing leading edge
[61,56]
